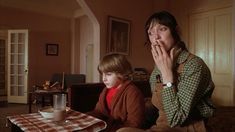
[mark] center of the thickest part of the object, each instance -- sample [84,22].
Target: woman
[181,82]
[121,103]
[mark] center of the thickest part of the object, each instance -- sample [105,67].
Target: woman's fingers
[161,49]
[153,50]
[158,50]
[154,56]
[172,52]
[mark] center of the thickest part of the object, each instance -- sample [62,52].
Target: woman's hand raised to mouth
[164,60]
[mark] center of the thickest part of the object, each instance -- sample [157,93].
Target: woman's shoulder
[196,63]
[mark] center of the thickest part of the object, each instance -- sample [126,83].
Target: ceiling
[62,8]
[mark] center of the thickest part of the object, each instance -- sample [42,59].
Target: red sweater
[110,94]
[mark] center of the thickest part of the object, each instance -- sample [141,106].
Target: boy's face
[111,79]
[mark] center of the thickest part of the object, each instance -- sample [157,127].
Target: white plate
[47,112]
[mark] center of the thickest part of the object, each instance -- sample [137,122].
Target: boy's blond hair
[116,63]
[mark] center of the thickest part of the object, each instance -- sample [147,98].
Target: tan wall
[135,11]
[42,29]
[76,46]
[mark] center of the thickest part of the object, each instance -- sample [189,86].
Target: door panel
[211,39]
[17,66]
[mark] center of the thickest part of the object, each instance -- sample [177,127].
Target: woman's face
[111,79]
[159,33]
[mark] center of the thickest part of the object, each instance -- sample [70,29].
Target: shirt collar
[182,57]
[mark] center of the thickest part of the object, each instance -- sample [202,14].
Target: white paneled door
[17,66]
[211,39]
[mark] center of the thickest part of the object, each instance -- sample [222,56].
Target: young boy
[121,103]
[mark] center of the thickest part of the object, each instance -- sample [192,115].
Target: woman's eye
[163,28]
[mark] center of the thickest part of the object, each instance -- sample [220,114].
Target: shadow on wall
[69,79]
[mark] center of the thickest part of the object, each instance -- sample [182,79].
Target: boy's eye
[108,73]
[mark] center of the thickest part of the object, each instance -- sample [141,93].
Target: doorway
[17,66]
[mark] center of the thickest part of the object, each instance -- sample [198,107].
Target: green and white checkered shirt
[194,90]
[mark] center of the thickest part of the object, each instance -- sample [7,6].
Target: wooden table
[75,121]
[43,93]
